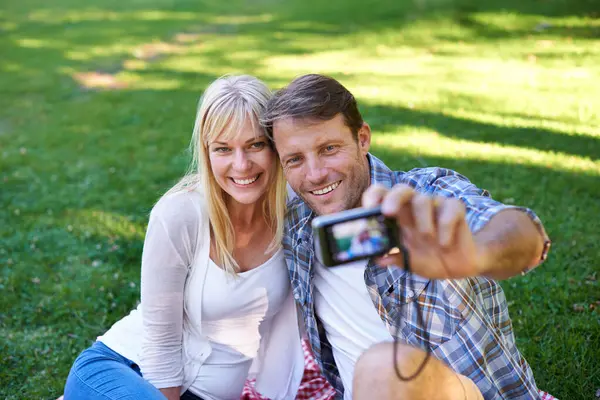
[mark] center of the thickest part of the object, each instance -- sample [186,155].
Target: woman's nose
[241,161]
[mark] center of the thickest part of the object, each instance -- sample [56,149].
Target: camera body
[353,235]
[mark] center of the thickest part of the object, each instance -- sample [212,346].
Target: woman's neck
[245,216]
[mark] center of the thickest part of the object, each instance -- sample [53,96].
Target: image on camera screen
[359,238]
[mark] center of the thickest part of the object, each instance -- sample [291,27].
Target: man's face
[323,163]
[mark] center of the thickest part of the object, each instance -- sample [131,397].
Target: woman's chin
[246,199]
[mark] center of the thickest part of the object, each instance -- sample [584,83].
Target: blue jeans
[99,373]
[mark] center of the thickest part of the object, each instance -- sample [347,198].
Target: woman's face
[243,166]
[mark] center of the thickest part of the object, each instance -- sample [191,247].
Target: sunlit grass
[104,224]
[423,143]
[50,16]
[513,21]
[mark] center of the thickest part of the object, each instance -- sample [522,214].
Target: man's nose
[316,172]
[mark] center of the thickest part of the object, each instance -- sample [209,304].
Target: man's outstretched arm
[510,243]
[441,245]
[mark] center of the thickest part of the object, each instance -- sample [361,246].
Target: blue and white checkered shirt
[467,319]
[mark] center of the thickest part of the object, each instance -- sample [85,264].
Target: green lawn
[97,101]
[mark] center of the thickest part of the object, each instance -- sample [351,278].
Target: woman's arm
[168,252]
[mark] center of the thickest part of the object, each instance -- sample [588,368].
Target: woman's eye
[221,149]
[258,145]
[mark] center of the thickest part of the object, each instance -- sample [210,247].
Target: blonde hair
[226,105]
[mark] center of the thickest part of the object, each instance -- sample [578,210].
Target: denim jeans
[100,373]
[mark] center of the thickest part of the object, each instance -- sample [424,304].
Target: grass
[97,104]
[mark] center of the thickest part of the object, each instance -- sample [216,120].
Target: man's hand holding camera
[440,244]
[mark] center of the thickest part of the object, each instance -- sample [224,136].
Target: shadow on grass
[487,31]
[97,37]
[383,117]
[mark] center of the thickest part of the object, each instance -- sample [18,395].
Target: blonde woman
[216,304]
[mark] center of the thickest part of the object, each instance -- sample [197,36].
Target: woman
[215,295]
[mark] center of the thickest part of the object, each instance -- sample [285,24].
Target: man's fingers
[396,204]
[395,258]
[451,212]
[423,207]
[373,195]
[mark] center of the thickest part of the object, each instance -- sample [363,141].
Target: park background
[97,102]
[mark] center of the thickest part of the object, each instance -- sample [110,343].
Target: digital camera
[353,235]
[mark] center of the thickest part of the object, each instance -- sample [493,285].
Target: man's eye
[292,161]
[330,148]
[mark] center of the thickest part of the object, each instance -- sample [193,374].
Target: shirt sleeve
[480,207]
[168,252]
[479,203]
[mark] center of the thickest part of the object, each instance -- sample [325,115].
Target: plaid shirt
[467,319]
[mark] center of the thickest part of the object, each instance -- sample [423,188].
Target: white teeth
[245,181]
[327,189]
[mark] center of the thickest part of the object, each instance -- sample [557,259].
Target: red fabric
[314,386]
[547,396]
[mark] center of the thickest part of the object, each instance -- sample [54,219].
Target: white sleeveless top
[235,310]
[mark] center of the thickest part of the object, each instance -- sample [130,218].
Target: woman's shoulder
[182,208]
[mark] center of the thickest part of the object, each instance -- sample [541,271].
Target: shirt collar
[380,173]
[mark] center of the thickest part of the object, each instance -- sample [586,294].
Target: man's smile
[326,189]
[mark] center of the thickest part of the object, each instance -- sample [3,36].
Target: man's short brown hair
[313,97]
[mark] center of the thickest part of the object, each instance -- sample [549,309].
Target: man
[459,239]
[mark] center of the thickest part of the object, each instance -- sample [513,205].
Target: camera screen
[359,238]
